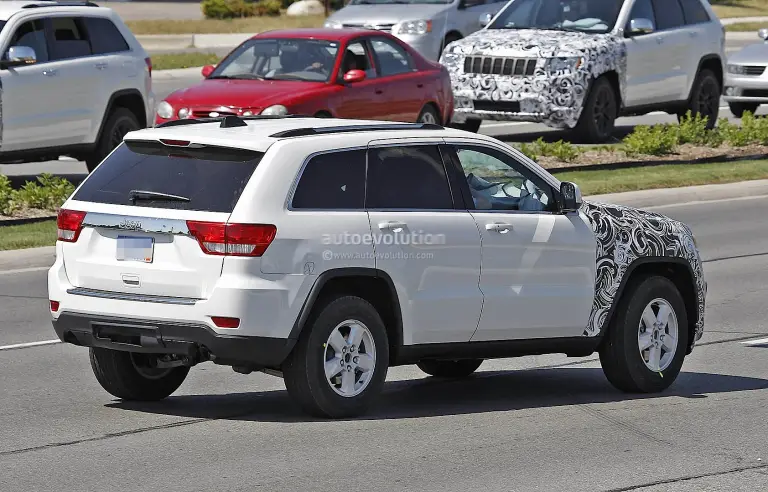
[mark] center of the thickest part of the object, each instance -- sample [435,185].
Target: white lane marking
[511,123]
[704,202]
[29,344]
[758,342]
[24,270]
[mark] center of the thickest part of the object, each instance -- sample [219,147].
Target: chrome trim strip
[122,296]
[136,223]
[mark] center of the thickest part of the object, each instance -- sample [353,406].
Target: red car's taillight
[232,239]
[69,224]
[148,61]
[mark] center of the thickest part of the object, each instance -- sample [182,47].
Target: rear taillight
[54,306]
[232,239]
[148,61]
[69,224]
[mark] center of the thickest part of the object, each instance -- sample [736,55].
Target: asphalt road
[535,423]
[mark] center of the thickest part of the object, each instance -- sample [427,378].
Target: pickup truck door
[538,265]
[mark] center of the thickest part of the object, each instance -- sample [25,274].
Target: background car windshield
[280,59]
[567,15]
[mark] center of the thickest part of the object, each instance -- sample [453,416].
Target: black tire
[738,109]
[598,117]
[119,122]
[117,373]
[471,125]
[430,114]
[450,38]
[620,355]
[304,370]
[705,98]
[450,368]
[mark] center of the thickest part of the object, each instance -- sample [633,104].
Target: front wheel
[738,109]
[133,376]
[705,97]
[339,364]
[450,368]
[646,343]
[598,117]
[118,124]
[429,116]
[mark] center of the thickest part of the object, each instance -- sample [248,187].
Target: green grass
[747,26]
[740,8]
[665,176]
[28,235]
[218,26]
[183,60]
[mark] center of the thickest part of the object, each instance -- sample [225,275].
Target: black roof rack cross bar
[60,4]
[305,132]
[195,121]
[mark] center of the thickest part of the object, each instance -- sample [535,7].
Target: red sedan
[320,72]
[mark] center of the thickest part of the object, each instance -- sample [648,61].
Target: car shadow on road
[553,136]
[428,397]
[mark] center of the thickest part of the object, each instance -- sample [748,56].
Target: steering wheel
[316,67]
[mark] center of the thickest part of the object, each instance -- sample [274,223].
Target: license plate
[132,248]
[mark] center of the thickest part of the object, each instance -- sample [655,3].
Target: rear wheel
[647,342]
[120,122]
[133,376]
[705,97]
[339,364]
[429,116]
[450,368]
[738,109]
[598,117]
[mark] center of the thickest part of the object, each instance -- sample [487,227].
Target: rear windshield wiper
[154,195]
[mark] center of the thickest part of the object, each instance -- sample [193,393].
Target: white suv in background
[73,81]
[580,64]
[327,250]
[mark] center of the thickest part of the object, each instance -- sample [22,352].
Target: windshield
[307,60]
[598,16]
[402,2]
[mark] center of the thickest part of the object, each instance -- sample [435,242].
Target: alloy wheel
[350,358]
[708,99]
[657,335]
[605,111]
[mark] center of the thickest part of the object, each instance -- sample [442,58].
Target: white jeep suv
[327,250]
[580,64]
[73,81]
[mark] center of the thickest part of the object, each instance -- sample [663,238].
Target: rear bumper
[197,342]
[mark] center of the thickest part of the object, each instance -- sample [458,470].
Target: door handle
[498,227]
[392,225]
[101,66]
[50,72]
[379,91]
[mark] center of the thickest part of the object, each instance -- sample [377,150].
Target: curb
[610,166]
[24,221]
[159,42]
[177,73]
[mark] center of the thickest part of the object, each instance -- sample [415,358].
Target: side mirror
[485,19]
[571,197]
[763,34]
[640,26]
[354,76]
[20,55]
[207,70]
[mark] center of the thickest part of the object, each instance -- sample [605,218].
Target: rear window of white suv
[150,174]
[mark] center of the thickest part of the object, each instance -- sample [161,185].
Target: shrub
[529,150]
[651,140]
[731,133]
[693,130]
[563,151]
[268,7]
[227,9]
[48,193]
[6,195]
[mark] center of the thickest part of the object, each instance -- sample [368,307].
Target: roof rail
[229,121]
[60,4]
[305,132]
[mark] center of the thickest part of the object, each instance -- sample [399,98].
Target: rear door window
[333,181]
[407,177]
[694,11]
[69,38]
[210,179]
[105,37]
[669,14]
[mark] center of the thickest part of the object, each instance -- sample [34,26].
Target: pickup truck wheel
[119,123]
[738,109]
[339,364]
[598,117]
[471,125]
[647,342]
[130,376]
[449,368]
[705,97]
